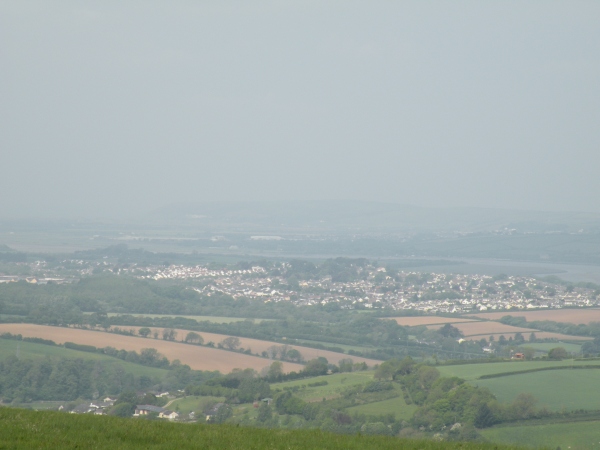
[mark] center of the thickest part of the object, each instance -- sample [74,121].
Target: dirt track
[197,357]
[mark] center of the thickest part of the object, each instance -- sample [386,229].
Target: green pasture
[195,403]
[558,390]
[546,346]
[396,406]
[31,350]
[573,435]
[471,372]
[336,383]
[214,319]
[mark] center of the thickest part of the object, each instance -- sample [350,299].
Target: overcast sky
[114,108]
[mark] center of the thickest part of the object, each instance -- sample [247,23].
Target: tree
[194,338]
[169,334]
[223,413]
[450,331]
[231,342]
[265,413]
[294,355]
[275,370]
[144,332]
[484,417]
[316,367]
[346,365]
[558,353]
[532,337]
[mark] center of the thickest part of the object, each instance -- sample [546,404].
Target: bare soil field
[427,320]
[259,346]
[538,334]
[197,357]
[575,316]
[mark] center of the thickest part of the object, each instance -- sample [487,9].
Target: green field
[336,383]
[556,389]
[214,319]
[30,350]
[194,403]
[334,344]
[574,435]
[396,406]
[545,346]
[22,429]
[471,372]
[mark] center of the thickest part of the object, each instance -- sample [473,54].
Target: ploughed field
[574,316]
[259,346]
[476,329]
[197,357]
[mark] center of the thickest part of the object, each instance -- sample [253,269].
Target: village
[430,292]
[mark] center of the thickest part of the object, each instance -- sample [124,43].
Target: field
[30,350]
[575,316]
[471,372]
[574,435]
[545,346]
[214,319]
[336,383]
[487,328]
[396,406]
[538,335]
[22,429]
[194,403]
[556,389]
[413,321]
[197,357]
[259,346]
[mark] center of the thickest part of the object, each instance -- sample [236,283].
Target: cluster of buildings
[376,288]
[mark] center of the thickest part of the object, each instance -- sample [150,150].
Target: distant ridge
[337,215]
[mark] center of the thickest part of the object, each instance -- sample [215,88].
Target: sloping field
[259,346]
[31,350]
[575,316]
[426,320]
[199,358]
[483,328]
[471,372]
[578,388]
[214,319]
[538,335]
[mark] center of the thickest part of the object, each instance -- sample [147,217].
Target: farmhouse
[144,410]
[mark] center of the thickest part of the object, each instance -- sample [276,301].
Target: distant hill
[353,216]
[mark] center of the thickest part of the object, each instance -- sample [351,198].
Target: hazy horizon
[114,110]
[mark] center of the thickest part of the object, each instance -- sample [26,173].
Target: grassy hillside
[578,388]
[22,429]
[30,350]
[471,372]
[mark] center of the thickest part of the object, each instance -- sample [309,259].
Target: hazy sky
[112,107]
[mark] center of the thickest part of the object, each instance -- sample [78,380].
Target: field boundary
[538,369]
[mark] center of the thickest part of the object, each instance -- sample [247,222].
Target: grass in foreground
[574,435]
[22,429]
